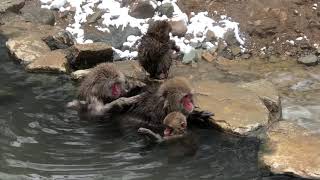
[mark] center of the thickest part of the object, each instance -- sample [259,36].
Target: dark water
[40,139]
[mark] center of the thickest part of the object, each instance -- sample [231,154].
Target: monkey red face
[116,90]
[187,103]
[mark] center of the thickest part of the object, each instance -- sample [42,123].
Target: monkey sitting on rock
[155,50]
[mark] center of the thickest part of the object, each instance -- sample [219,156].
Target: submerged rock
[27,49]
[309,60]
[190,56]
[53,62]
[11,5]
[291,149]
[237,109]
[89,55]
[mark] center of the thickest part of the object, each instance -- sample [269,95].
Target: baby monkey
[175,126]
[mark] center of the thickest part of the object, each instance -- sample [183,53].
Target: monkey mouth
[169,133]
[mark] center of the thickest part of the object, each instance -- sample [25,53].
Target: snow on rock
[118,16]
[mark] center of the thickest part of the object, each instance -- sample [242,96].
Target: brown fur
[96,86]
[155,50]
[158,103]
[177,122]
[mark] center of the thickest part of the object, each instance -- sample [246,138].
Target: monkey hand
[150,134]
[76,104]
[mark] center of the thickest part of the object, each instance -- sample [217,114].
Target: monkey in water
[175,126]
[155,50]
[104,84]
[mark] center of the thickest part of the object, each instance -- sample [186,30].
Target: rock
[231,39]
[210,36]
[95,16]
[79,74]
[11,5]
[291,149]
[89,55]
[236,109]
[309,60]
[116,37]
[269,95]
[166,9]
[179,27]
[207,56]
[27,48]
[142,9]
[53,62]
[235,50]
[195,43]
[39,15]
[60,40]
[129,68]
[190,56]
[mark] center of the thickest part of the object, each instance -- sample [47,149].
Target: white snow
[118,16]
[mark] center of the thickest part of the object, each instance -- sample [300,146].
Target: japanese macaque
[155,50]
[175,126]
[104,84]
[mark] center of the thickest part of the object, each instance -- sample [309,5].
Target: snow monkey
[104,84]
[175,126]
[155,50]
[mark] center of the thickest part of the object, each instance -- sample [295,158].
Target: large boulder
[52,62]
[11,5]
[130,68]
[291,149]
[89,55]
[239,109]
[27,48]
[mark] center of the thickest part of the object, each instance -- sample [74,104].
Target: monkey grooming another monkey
[175,126]
[155,50]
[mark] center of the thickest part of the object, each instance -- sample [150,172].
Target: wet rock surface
[237,110]
[38,15]
[309,60]
[50,62]
[27,49]
[291,149]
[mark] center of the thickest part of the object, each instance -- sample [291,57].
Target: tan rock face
[54,61]
[179,27]
[292,149]
[268,94]
[236,109]
[129,68]
[27,48]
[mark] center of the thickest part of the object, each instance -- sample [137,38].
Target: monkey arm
[150,134]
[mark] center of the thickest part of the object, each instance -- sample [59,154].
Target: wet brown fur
[158,103]
[174,121]
[155,50]
[96,86]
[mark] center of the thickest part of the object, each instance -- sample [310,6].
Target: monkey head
[176,124]
[160,30]
[177,95]
[105,82]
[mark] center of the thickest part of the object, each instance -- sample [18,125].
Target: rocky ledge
[291,149]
